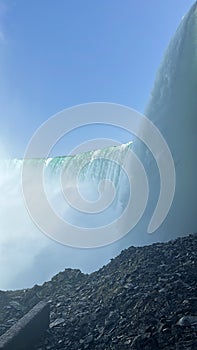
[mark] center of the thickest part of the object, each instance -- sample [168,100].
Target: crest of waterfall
[22,244]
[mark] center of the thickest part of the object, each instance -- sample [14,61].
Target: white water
[27,256]
[173,108]
[22,245]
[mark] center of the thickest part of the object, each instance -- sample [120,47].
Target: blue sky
[57,54]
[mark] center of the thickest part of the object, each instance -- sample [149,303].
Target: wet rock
[28,330]
[88,339]
[57,322]
[142,300]
[16,305]
[187,321]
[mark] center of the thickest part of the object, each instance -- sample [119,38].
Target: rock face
[145,299]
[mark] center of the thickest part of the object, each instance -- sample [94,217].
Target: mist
[28,256]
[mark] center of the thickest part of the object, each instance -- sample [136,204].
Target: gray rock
[125,305]
[187,321]
[57,322]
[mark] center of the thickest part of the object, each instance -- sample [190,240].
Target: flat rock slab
[28,330]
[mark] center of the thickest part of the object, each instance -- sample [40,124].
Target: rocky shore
[144,299]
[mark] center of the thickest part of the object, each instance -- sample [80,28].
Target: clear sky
[56,54]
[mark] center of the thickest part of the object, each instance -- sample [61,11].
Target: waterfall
[23,245]
[27,256]
[173,109]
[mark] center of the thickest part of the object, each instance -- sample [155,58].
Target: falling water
[173,109]
[22,244]
[27,256]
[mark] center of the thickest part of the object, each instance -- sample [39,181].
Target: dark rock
[56,323]
[27,331]
[187,321]
[16,305]
[141,300]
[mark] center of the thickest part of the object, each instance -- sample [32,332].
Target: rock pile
[144,299]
